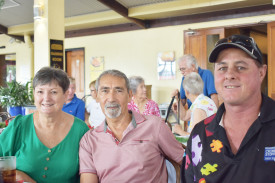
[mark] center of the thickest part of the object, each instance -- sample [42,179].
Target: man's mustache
[109,105]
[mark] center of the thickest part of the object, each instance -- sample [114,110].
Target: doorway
[75,67]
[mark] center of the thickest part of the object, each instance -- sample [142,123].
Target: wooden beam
[120,9]
[102,30]
[4,30]
[181,20]
[20,38]
[214,16]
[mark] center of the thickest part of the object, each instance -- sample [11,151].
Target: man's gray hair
[190,60]
[134,82]
[113,72]
[193,83]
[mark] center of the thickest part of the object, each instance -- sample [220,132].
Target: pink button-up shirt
[138,157]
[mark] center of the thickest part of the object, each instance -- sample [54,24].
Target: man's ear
[193,68]
[263,72]
[186,93]
[130,95]
[97,99]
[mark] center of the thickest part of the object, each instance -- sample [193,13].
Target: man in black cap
[238,143]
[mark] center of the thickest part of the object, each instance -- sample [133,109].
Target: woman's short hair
[134,82]
[193,83]
[72,80]
[92,83]
[115,73]
[47,75]
[190,60]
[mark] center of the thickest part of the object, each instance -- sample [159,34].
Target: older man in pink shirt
[127,146]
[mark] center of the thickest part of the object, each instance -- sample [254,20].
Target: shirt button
[46,168]
[44,176]
[47,158]
[49,151]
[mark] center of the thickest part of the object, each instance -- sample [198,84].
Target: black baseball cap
[245,43]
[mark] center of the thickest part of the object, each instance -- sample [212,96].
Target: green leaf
[16,94]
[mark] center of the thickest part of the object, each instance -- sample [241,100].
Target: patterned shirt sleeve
[151,108]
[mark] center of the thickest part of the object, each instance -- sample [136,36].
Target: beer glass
[8,169]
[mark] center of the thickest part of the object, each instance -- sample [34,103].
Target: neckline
[62,141]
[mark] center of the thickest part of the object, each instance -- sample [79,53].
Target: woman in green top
[46,142]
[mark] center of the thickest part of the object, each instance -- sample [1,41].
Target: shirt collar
[199,70]
[222,123]
[72,101]
[266,114]
[137,118]
[133,122]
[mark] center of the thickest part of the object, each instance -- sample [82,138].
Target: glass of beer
[8,169]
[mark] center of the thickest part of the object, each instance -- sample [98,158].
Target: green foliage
[16,94]
[2,2]
[2,124]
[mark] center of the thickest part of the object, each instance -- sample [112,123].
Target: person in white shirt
[93,109]
[202,106]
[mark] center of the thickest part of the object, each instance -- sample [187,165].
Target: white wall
[134,53]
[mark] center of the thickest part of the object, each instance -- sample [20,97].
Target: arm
[87,168]
[23,176]
[88,178]
[182,107]
[215,98]
[185,115]
[199,115]
[178,130]
[168,144]
[182,99]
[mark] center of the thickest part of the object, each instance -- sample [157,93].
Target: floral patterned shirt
[151,107]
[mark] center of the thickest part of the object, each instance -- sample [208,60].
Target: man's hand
[175,107]
[175,94]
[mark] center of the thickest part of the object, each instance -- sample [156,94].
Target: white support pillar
[49,26]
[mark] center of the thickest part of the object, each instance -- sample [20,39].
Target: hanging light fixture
[38,11]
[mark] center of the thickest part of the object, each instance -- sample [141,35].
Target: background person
[237,144]
[202,106]
[96,116]
[74,105]
[187,64]
[45,142]
[125,148]
[140,103]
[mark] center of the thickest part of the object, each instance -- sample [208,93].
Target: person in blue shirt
[188,64]
[74,105]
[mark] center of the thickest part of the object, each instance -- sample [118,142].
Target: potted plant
[14,96]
